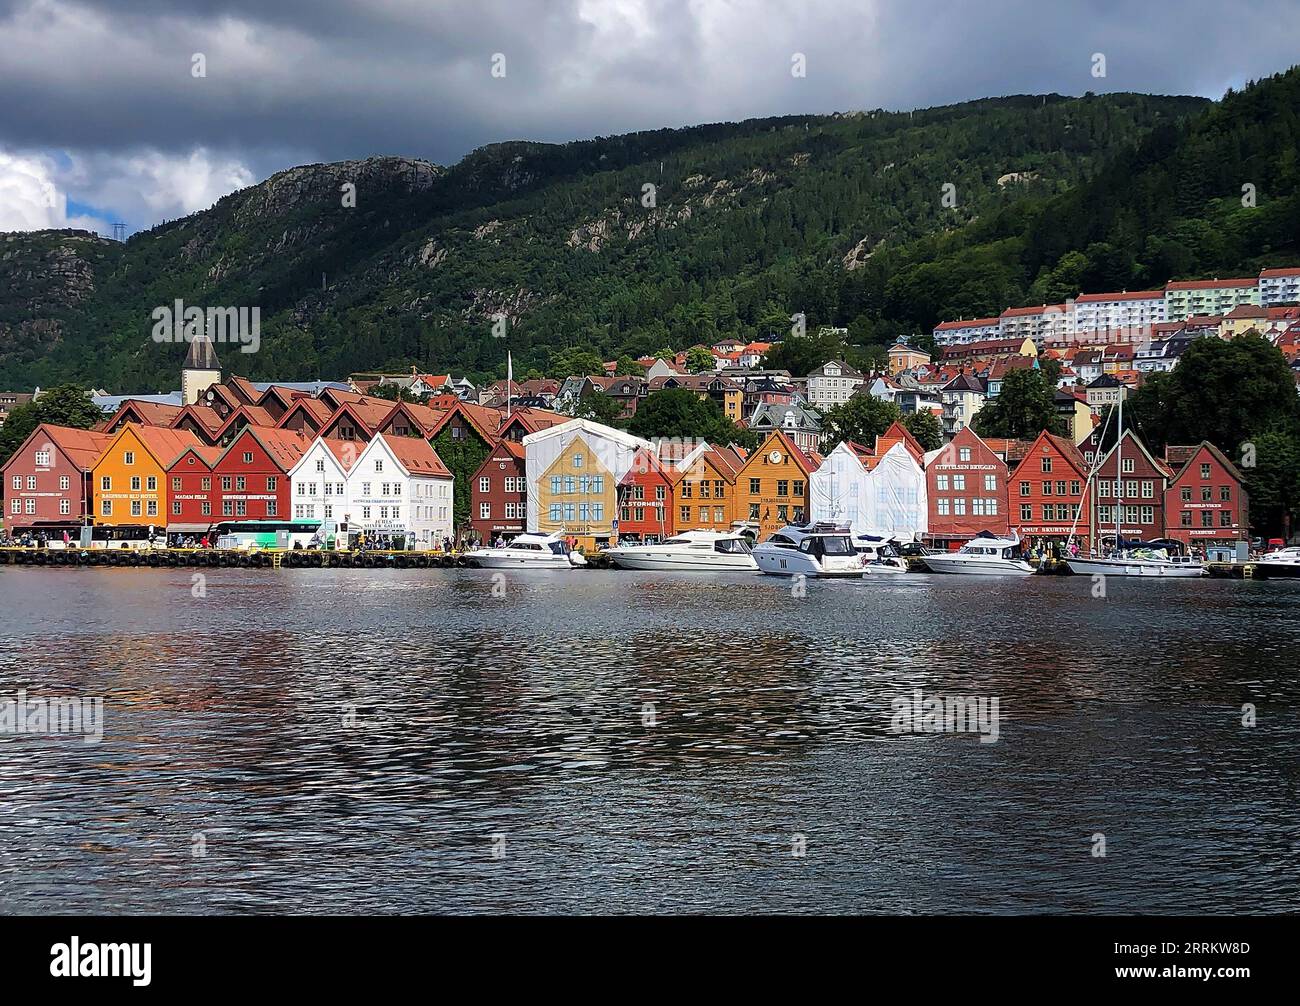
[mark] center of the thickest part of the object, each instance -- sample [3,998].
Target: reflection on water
[351,741]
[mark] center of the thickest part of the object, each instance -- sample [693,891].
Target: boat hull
[797,564]
[667,561]
[1134,567]
[1277,570]
[500,559]
[977,567]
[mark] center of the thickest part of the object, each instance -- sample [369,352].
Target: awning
[188,528]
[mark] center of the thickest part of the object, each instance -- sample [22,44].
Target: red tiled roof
[1277,273]
[947,326]
[1205,284]
[82,447]
[417,456]
[1124,295]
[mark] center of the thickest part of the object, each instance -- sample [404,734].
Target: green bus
[268,534]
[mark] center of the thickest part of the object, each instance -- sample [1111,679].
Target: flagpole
[510,380]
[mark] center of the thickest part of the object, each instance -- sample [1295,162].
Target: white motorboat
[809,550]
[1282,563]
[529,551]
[983,555]
[1138,562]
[690,550]
[879,555]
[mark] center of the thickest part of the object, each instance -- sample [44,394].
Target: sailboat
[1131,561]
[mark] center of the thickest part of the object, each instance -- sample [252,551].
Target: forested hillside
[842,218]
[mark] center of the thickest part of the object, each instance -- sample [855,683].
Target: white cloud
[139,187]
[30,197]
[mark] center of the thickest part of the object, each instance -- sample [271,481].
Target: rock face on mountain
[624,244]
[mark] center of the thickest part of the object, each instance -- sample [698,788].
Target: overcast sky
[102,115]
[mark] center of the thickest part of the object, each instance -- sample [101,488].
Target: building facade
[1206,502]
[47,480]
[499,493]
[1101,312]
[130,478]
[966,491]
[1131,484]
[833,383]
[1049,495]
[772,485]
[1185,299]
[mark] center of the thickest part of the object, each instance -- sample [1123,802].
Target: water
[521,724]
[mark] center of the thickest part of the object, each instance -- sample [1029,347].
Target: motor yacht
[983,555]
[530,551]
[1282,563]
[809,550]
[690,550]
[879,555]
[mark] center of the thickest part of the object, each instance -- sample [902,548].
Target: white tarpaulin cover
[614,449]
[889,501]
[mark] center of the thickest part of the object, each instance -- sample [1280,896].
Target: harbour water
[369,741]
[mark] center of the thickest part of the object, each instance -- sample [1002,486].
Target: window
[31,481]
[554,512]
[320,465]
[176,483]
[1049,511]
[484,484]
[105,507]
[991,505]
[206,509]
[18,481]
[248,457]
[1075,487]
[135,508]
[128,458]
[31,505]
[943,506]
[1205,471]
[1127,465]
[273,483]
[753,511]
[959,483]
[15,505]
[1131,488]
[1225,494]
[782,487]
[207,484]
[65,506]
[963,454]
[1026,511]
[1186,518]
[135,483]
[798,487]
[1024,488]
[959,507]
[176,508]
[990,483]
[379,464]
[1207,518]
[704,515]
[1047,465]
[941,483]
[1060,488]
[43,459]
[273,509]
[1148,515]
[1225,518]
[977,506]
[1148,489]
[577,461]
[227,508]
[484,511]
[1206,494]
[1047,489]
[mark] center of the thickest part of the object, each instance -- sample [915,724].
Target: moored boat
[879,555]
[690,550]
[1138,562]
[809,550]
[983,555]
[528,550]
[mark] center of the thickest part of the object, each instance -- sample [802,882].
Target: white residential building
[399,485]
[833,383]
[1279,286]
[959,333]
[1099,312]
[1213,297]
[1045,323]
[318,482]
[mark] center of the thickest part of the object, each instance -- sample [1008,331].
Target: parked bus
[123,536]
[281,534]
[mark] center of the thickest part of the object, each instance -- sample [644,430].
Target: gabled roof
[208,455]
[422,417]
[415,455]
[165,445]
[1194,451]
[204,416]
[146,413]
[345,452]
[809,463]
[317,411]
[81,447]
[284,447]
[1129,437]
[898,433]
[1062,445]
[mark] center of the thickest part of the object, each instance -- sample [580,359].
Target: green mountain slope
[830,216]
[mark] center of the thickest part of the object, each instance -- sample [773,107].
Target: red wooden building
[1206,502]
[966,490]
[499,493]
[47,480]
[646,506]
[1048,494]
[190,494]
[1138,488]
[251,477]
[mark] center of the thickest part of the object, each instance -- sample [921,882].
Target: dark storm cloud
[294,80]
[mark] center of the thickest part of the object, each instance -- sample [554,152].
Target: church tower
[202,369]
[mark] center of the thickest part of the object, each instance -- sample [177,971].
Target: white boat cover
[614,449]
[889,501]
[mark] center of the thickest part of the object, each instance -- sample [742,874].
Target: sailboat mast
[1119,468]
